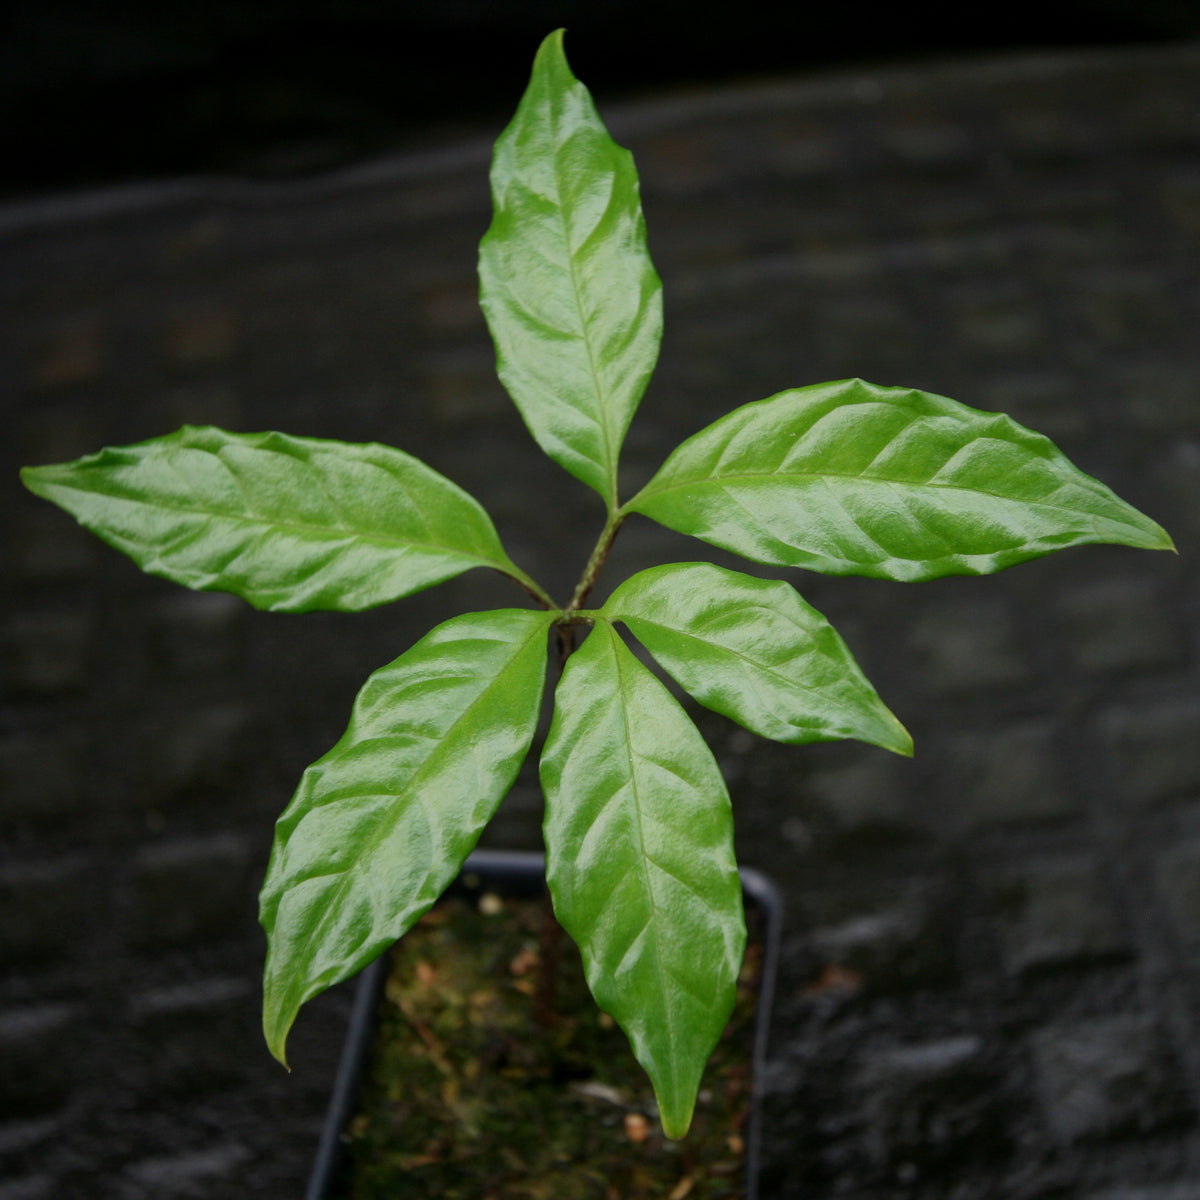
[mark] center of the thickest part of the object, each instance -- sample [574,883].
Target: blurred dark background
[98,93]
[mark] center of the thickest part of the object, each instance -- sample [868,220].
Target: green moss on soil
[468,1098]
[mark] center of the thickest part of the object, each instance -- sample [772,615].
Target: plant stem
[599,554]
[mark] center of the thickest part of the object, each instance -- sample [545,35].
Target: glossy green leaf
[382,823]
[290,524]
[640,863]
[566,282]
[853,479]
[754,651]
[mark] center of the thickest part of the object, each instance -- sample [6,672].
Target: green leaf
[640,864]
[853,479]
[290,524]
[566,282]
[754,651]
[382,823]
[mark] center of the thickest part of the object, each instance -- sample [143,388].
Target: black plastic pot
[519,874]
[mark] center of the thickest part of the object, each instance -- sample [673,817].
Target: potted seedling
[844,478]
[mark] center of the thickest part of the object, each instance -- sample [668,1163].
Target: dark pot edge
[522,872]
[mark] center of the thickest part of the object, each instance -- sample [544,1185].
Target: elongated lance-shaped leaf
[853,479]
[640,864]
[290,524]
[754,651]
[566,283]
[382,823]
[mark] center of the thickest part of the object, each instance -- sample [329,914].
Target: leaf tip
[676,1124]
[276,1027]
[32,478]
[1149,535]
[903,743]
[889,733]
[900,740]
[552,47]
[278,1049]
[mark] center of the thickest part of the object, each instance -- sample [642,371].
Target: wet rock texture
[991,981]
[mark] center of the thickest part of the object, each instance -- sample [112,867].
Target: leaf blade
[640,864]
[290,524]
[570,294]
[850,478]
[754,651]
[380,825]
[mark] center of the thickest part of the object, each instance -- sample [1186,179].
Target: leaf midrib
[615,646]
[650,491]
[762,667]
[602,394]
[328,533]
